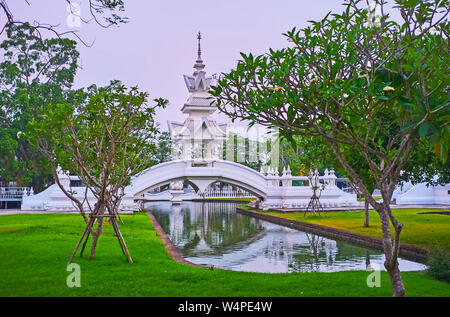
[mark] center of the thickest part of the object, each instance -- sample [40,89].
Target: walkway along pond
[214,234]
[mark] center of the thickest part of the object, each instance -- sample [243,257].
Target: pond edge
[407,251]
[170,247]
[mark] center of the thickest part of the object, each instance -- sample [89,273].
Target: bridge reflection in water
[213,234]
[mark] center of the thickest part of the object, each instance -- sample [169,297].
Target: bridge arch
[201,174]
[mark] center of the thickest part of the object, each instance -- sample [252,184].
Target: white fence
[14,193]
[227,192]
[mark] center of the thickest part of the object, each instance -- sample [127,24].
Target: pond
[214,234]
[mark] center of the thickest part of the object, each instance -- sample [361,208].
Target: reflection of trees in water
[315,243]
[192,244]
[214,229]
[309,257]
[325,252]
[305,255]
[210,227]
[278,250]
[348,251]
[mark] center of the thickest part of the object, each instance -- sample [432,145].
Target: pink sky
[159,43]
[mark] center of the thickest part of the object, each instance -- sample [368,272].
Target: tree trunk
[367,258]
[95,238]
[100,212]
[366,213]
[398,289]
[391,249]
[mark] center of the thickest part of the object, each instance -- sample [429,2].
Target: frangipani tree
[104,139]
[377,88]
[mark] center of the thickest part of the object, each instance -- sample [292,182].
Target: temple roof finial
[199,37]
[199,62]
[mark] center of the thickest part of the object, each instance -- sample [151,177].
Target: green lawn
[427,230]
[375,197]
[34,250]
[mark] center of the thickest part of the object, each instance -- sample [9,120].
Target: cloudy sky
[159,43]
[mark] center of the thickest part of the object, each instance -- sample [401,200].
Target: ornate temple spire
[198,82]
[199,37]
[199,62]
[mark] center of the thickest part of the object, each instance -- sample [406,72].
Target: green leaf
[409,125]
[423,129]
[405,102]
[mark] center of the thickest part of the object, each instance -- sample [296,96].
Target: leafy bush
[439,264]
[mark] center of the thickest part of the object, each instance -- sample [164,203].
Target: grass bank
[34,250]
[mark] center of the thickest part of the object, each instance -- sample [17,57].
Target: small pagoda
[200,136]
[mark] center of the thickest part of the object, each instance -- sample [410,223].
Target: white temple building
[421,194]
[53,199]
[199,136]
[199,139]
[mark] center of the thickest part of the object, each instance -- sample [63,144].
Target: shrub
[439,264]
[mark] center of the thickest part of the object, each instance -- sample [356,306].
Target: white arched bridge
[200,175]
[272,189]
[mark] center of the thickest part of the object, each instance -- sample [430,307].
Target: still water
[214,234]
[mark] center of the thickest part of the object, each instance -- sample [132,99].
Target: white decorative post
[176,189]
[262,170]
[326,176]
[331,179]
[63,177]
[314,204]
[286,177]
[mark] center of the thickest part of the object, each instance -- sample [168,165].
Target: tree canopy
[34,73]
[375,88]
[105,138]
[105,13]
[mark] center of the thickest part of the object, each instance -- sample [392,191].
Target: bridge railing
[288,180]
[14,193]
[259,183]
[227,192]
